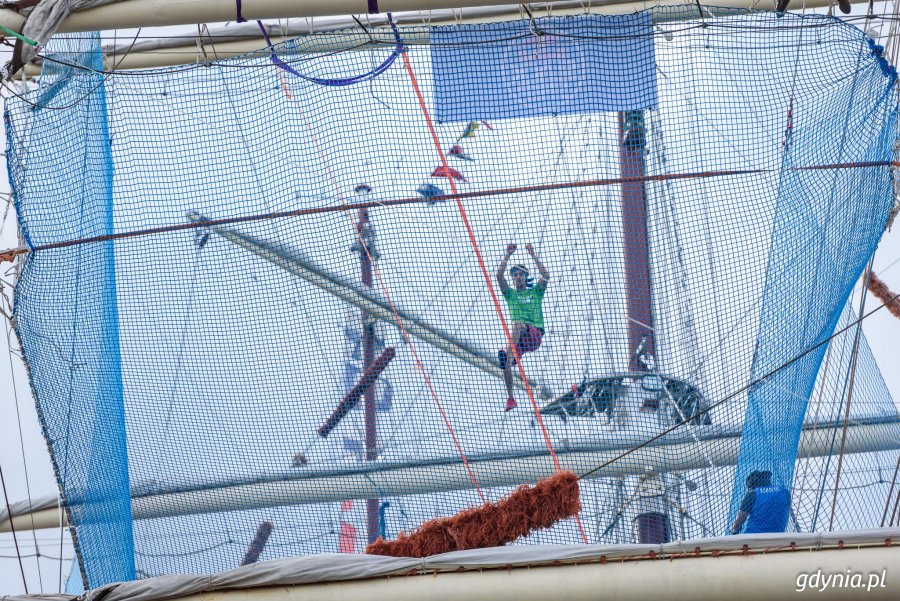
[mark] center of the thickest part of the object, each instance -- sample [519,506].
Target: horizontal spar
[11,253]
[291,262]
[224,42]
[395,479]
[162,13]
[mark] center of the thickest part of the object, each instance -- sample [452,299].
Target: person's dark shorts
[529,340]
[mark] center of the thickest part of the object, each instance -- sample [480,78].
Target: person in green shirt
[523,299]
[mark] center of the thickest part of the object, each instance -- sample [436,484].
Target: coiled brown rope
[884,294]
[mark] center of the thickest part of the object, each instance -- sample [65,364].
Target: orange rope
[484,272]
[387,295]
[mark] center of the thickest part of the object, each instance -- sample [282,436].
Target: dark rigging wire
[12,374]
[12,529]
[759,380]
[107,75]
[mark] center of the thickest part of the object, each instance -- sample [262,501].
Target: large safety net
[262,300]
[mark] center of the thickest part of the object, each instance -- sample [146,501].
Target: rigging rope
[12,529]
[12,253]
[853,360]
[800,480]
[734,394]
[364,246]
[887,501]
[474,243]
[15,388]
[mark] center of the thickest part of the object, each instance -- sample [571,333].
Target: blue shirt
[769,508]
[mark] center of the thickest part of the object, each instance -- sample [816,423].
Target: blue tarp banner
[553,66]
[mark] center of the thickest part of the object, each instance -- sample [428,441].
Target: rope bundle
[527,509]
[884,294]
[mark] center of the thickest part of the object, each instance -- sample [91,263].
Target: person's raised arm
[542,269]
[501,270]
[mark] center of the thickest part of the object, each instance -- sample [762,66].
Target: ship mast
[366,247]
[651,522]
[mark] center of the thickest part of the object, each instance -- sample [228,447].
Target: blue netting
[67,306]
[74,583]
[521,70]
[813,263]
[218,345]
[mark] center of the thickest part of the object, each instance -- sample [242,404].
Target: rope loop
[398,49]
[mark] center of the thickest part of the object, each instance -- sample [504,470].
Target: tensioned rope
[484,272]
[12,529]
[12,374]
[880,289]
[419,366]
[10,254]
[854,356]
[729,397]
[884,294]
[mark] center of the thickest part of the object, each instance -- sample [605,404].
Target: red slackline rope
[484,272]
[11,253]
[384,290]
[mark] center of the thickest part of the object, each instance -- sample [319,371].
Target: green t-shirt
[525,305]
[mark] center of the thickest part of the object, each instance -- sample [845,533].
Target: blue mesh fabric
[67,305]
[74,583]
[524,69]
[813,264]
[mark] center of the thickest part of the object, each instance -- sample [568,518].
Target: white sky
[27,469]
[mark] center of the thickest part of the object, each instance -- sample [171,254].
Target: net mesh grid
[193,361]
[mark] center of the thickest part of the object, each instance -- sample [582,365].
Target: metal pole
[641,339]
[366,237]
[651,525]
[161,13]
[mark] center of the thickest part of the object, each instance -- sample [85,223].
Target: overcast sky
[27,469]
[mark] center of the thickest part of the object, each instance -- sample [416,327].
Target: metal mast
[651,522]
[366,246]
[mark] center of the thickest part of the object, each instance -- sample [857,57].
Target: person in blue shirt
[764,508]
